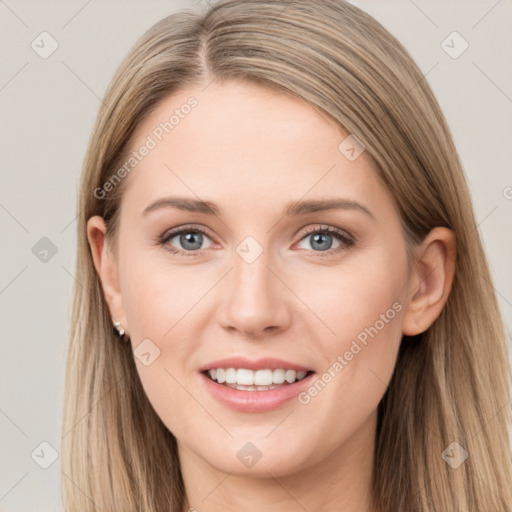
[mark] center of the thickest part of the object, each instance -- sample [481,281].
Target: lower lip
[255,401]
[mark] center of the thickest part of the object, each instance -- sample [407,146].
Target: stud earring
[118,330]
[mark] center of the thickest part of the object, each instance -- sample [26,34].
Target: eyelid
[190,227]
[325,228]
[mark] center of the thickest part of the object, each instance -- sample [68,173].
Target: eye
[189,238]
[321,239]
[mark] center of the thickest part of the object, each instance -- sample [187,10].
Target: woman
[285,304]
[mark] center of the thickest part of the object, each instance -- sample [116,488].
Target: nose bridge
[253,298]
[250,279]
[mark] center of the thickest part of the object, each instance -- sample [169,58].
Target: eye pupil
[318,238]
[191,237]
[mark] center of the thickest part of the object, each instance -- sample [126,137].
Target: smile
[244,379]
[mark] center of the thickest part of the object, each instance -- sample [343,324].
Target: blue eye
[191,240]
[321,239]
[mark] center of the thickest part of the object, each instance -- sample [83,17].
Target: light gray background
[48,107]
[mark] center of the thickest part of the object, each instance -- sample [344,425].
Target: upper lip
[254,364]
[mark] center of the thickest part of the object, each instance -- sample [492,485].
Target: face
[260,279]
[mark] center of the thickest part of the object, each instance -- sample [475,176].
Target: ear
[106,268]
[430,280]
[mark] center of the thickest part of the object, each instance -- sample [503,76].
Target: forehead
[242,141]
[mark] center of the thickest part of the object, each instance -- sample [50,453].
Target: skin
[251,150]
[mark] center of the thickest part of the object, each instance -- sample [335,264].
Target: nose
[255,300]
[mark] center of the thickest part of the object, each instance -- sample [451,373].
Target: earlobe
[430,281]
[106,267]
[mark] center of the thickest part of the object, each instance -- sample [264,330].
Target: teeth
[263,377]
[259,380]
[251,388]
[290,376]
[278,376]
[230,376]
[245,377]
[221,375]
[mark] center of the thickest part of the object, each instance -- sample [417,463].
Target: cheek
[163,305]
[159,298]
[160,312]
[356,296]
[361,308]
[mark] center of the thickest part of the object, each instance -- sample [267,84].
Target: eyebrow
[295,208]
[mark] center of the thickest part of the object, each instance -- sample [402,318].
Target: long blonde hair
[451,383]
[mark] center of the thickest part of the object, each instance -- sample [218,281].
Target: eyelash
[346,241]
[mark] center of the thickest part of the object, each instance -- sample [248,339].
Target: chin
[260,457]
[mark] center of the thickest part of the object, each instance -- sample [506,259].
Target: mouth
[265,379]
[254,385]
